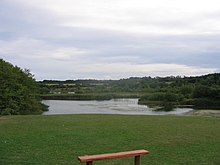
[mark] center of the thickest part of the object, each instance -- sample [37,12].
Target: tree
[19,92]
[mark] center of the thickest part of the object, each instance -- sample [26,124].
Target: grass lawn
[52,140]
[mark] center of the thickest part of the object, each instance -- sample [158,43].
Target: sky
[111,39]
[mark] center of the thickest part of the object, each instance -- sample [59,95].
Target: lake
[114,106]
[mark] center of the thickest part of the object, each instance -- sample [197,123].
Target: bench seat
[92,158]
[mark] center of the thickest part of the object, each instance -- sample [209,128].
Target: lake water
[115,106]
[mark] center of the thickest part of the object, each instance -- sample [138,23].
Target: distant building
[71,92]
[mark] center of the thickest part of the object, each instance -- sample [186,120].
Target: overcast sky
[111,39]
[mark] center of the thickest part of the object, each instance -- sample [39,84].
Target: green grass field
[52,140]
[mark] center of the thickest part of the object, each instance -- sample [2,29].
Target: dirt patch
[209,113]
[4,119]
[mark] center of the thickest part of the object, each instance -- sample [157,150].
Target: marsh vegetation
[165,92]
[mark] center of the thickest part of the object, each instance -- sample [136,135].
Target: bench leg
[89,163]
[137,160]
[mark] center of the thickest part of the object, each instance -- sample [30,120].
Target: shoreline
[203,112]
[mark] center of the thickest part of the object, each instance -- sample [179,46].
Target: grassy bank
[60,139]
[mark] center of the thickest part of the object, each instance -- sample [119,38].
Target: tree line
[200,91]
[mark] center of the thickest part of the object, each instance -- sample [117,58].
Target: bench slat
[112,155]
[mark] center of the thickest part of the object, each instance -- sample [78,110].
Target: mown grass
[52,140]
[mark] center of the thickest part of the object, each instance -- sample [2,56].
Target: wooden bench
[137,153]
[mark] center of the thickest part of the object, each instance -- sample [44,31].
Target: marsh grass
[59,139]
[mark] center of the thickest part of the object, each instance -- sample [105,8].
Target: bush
[7,111]
[168,97]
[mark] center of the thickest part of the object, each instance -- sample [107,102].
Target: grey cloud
[19,20]
[44,35]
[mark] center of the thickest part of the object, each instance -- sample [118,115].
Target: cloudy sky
[111,39]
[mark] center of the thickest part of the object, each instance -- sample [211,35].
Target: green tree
[19,92]
[187,90]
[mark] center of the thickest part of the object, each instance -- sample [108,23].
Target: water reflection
[115,106]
